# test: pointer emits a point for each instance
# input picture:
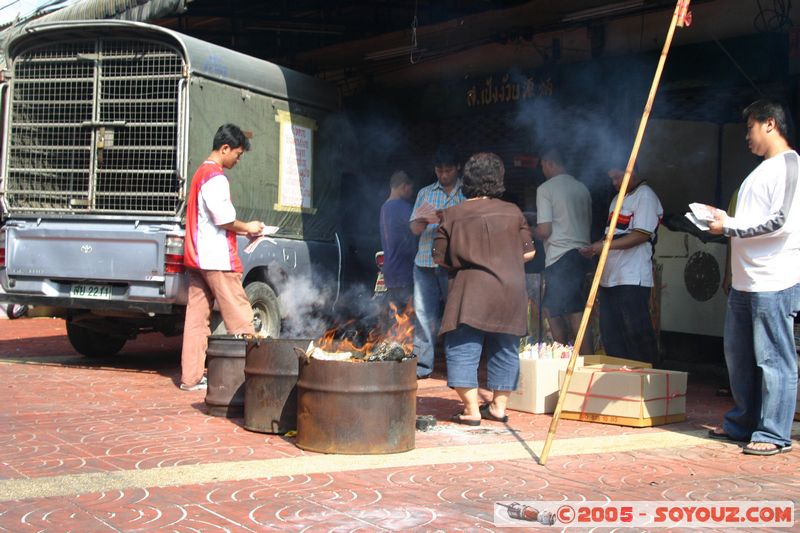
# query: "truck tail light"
(173, 258)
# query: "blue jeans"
(762, 364)
(464, 346)
(430, 291)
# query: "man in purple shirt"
(399, 244)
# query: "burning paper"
(395, 344)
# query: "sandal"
(486, 414)
(768, 451)
(722, 435)
(458, 419)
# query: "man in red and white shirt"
(625, 324)
(212, 256)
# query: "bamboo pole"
(678, 18)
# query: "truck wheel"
(266, 310)
(92, 343)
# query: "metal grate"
(94, 128)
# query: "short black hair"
(232, 135)
(446, 155)
(763, 110)
(399, 177)
(483, 176)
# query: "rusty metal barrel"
(356, 408)
(225, 359)
(270, 385)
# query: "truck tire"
(93, 343)
(266, 309)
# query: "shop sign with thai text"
(506, 89)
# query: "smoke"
(303, 304)
(583, 135)
(308, 310)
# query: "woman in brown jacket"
(483, 242)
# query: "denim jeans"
(464, 346)
(625, 325)
(762, 364)
(430, 291)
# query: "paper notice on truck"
(268, 230)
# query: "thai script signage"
(505, 89)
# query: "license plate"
(380, 286)
(90, 292)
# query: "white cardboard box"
(537, 390)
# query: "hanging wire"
(774, 19)
(414, 24)
(738, 67)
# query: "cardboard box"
(537, 391)
(609, 360)
(612, 394)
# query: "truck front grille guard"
(94, 127)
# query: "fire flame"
(401, 332)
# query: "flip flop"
(486, 414)
(465, 421)
(714, 434)
(769, 451)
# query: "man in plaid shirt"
(430, 281)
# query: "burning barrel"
(357, 407)
(270, 386)
(225, 358)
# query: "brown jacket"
(481, 243)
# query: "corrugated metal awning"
(135, 10)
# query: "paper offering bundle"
(263, 236)
(545, 350)
(700, 215)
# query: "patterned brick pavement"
(114, 445)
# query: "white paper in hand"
(702, 211)
(268, 230)
(702, 224)
(700, 215)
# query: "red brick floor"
(114, 445)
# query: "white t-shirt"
(765, 233)
(566, 203)
(214, 208)
(641, 211)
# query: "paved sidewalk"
(114, 445)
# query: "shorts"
(564, 280)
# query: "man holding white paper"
(765, 293)
(625, 324)
(430, 280)
(211, 255)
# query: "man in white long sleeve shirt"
(765, 294)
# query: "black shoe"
(486, 414)
(458, 419)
